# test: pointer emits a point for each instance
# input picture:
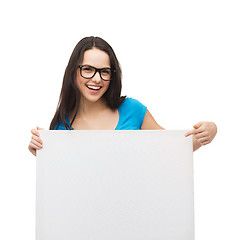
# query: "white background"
(179, 58)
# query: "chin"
(93, 99)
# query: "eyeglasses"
(87, 71)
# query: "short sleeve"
(132, 113)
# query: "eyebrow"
(94, 66)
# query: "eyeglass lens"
(89, 72)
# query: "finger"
(36, 143)
(190, 132)
(203, 141)
(193, 132)
(35, 132)
(198, 125)
(36, 138)
(200, 135)
(34, 146)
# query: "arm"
(203, 132)
(149, 123)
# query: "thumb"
(38, 128)
(198, 125)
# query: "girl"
(91, 98)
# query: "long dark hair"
(69, 100)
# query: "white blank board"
(115, 185)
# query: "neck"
(91, 109)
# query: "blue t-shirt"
(131, 115)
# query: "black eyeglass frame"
(97, 70)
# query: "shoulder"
(132, 103)
(136, 110)
(63, 125)
(132, 113)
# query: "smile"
(94, 87)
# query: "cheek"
(107, 84)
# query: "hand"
(36, 141)
(203, 132)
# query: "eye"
(87, 69)
(106, 71)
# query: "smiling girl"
(91, 98)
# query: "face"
(93, 89)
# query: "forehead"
(96, 58)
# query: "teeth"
(93, 87)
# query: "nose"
(96, 78)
